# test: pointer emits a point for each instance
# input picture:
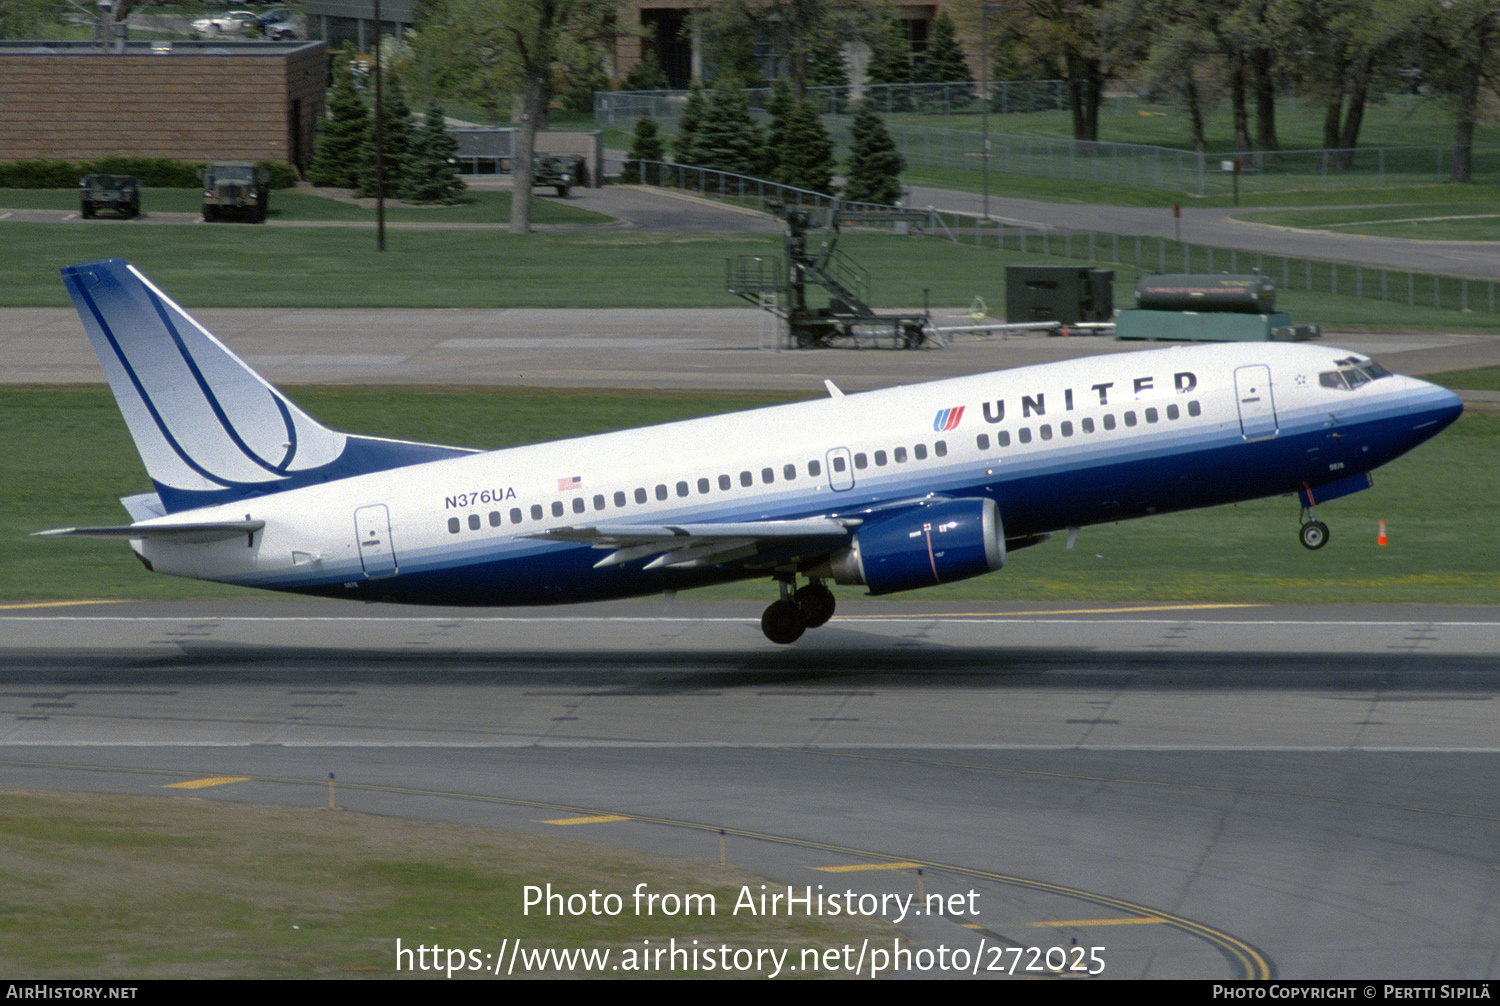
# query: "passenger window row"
(1066, 428)
(684, 489)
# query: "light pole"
(984, 98)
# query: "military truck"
(118, 194)
(561, 172)
(236, 190)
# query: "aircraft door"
(840, 469)
(372, 529)
(1252, 389)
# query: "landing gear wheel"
(1314, 534)
(783, 622)
(816, 602)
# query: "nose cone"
(1432, 408)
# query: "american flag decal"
(947, 419)
(572, 482)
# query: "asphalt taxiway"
(1210, 792)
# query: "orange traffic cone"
(1380, 538)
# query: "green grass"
(1478, 379)
(113, 887)
(246, 266)
(1467, 220)
(1402, 120)
(1438, 503)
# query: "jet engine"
(928, 545)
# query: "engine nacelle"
(922, 547)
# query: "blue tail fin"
(209, 429)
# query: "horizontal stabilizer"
(189, 533)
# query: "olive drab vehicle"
(236, 190)
(117, 194)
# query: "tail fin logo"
(201, 419)
(948, 419)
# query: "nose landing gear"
(797, 611)
(1314, 533)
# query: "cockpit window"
(1351, 373)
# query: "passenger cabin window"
(814, 469)
(920, 451)
(661, 492)
(640, 495)
(788, 472)
(578, 505)
(725, 482)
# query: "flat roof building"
(184, 101)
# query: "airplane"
(893, 489)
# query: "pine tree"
(806, 153)
(646, 146)
(432, 170)
(727, 137)
(780, 109)
(944, 65)
(826, 68)
(945, 62)
(396, 142)
(890, 64)
(336, 162)
(875, 166)
(685, 145)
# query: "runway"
(1202, 792)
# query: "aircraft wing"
(191, 532)
(702, 544)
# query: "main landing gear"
(1314, 533)
(797, 611)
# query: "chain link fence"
(1094, 162)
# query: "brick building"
(185, 101)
